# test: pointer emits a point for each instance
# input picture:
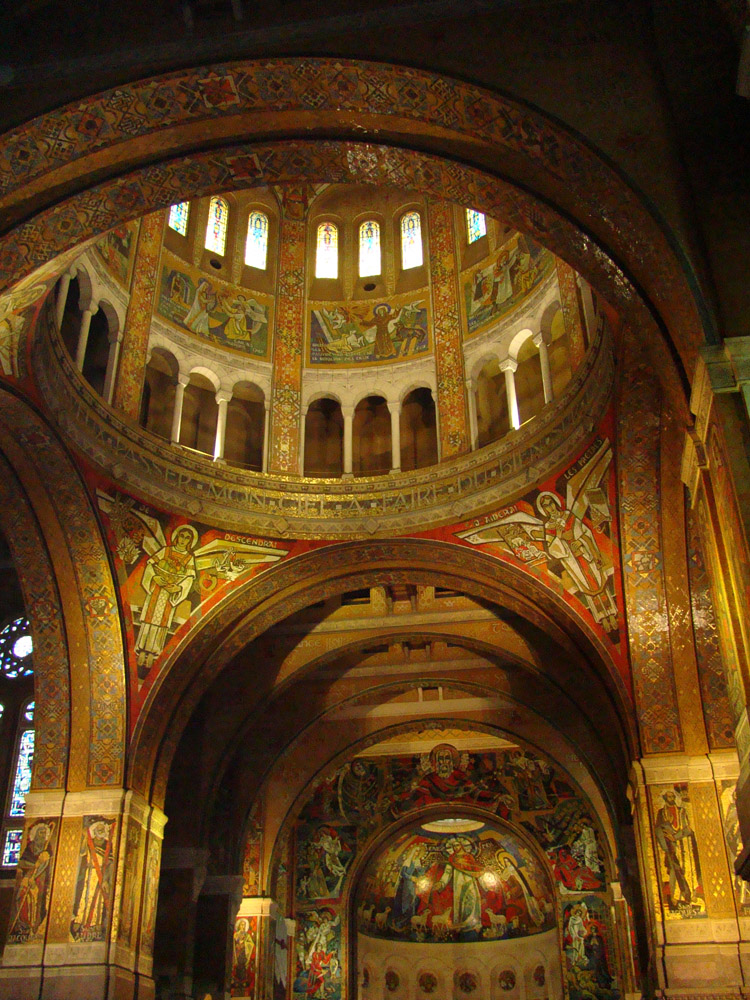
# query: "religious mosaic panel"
(347, 809)
(28, 915)
(454, 881)
(251, 874)
(589, 960)
(244, 957)
(226, 314)
(92, 901)
(498, 286)
(150, 897)
(115, 248)
(678, 865)
(564, 531)
(733, 839)
(363, 333)
(171, 571)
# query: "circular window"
(16, 648)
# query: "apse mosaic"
(361, 333)
(115, 248)
(565, 532)
(436, 884)
(170, 571)
(229, 315)
(470, 883)
(497, 287)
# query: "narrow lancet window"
(216, 230)
(256, 248)
(327, 251)
(411, 241)
(369, 248)
(178, 217)
(476, 225)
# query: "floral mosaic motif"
(497, 287)
(244, 957)
(28, 915)
(389, 331)
(167, 569)
(438, 887)
(565, 533)
(507, 979)
(587, 951)
(680, 879)
(466, 982)
(427, 982)
(225, 314)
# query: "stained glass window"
(216, 230)
(369, 248)
(178, 217)
(327, 251)
(12, 848)
(411, 241)
(16, 648)
(476, 225)
(22, 780)
(256, 248)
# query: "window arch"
(256, 246)
(369, 248)
(476, 225)
(178, 217)
(411, 241)
(20, 783)
(327, 251)
(216, 229)
(15, 649)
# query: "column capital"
(92, 309)
(183, 379)
(115, 337)
(540, 338)
(394, 406)
(508, 365)
(347, 411)
(223, 395)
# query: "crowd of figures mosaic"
(480, 882)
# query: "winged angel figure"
(560, 536)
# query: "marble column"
(266, 430)
(179, 396)
(509, 367)
(137, 330)
(541, 345)
(115, 340)
(222, 398)
(446, 325)
(395, 411)
(62, 296)
(347, 412)
(83, 334)
(471, 399)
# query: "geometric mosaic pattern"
(643, 570)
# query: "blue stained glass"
(256, 248)
(369, 248)
(15, 649)
(476, 225)
(327, 251)
(411, 241)
(22, 780)
(12, 848)
(216, 230)
(178, 217)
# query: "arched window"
(15, 649)
(476, 225)
(411, 241)
(15, 807)
(178, 217)
(327, 251)
(256, 247)
(369, 248)
(216, 230)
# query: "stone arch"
(315, 576)
(87, 610)
(569, 175)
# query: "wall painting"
(365, 333)
(226, 314)
(494, 289)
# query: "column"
(137, 330)
(302, 429)
(62, 297)
(347, 413)
(222, 398)
(433, 394)
(215, 929)
(471, 399)
(567, 283)
(288, 349)
(179, 395)
(446, 325)
(395, 411)
(115, 340)
(509, 366)
(541, 345)
(266, 430)
(83, 335)
(183, 873)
